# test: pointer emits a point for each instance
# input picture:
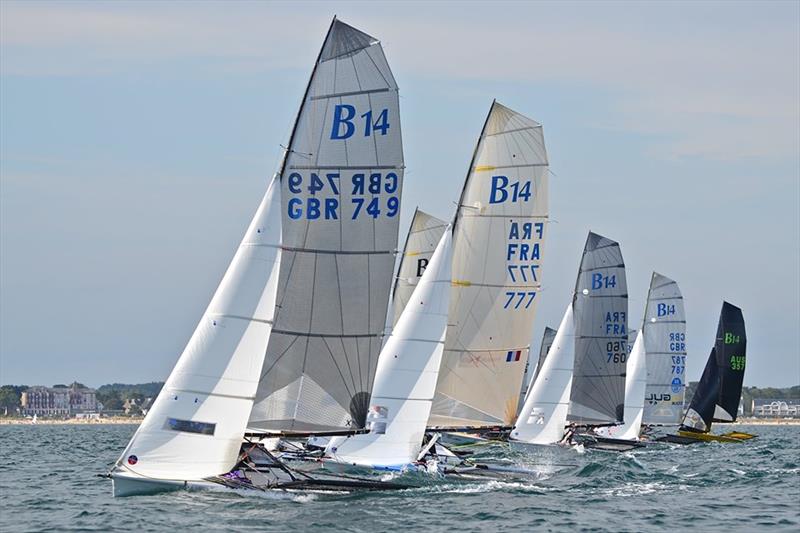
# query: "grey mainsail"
(424, 234)
(665, 345)
(601, 343)
(341, 181)
(499, 234)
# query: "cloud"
(707, 80)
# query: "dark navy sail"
(720, 389)
(731, 354)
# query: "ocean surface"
(48, 483)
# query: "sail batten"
(341, 183)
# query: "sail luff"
(548, 337)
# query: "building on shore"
(772, 408)
(58, 401)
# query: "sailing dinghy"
(290, 342)
(720, 388)
(590, 344)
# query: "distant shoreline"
(138, 420)
(71, 421)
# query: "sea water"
(48, 482)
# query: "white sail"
(635, 383)
(341, 181)
(665, 345)
(544, 414)
(424, 234)
(530, 377)
(498, 241)
(195, 427)
(406, 378)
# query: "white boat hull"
(132, 485)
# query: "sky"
(136, 140)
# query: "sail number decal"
(345, 123)
(523, 259)
(504, 190)
(372, 195)
(737, 362)
(616, 351)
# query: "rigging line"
(277, 359)
(348, 166)
(289, 151)
(378, 68)
(322, 134)
(341, 375)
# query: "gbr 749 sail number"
(316, 195)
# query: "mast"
(341, 183)
(498, 239)
(548, 337)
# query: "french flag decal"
(512, 356)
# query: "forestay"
(665, 344)
(498, 243)
(424, 234)
(406, 378)
(544, 414)
(195, 427)
(341, 180)
(601, 327)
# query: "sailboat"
(290, 341)
(589, 348)
(498, 240)
(662, 341)
(720, 388)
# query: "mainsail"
(601, 328)
(527, 381)
(720, 389)
(544, 414)
(665, 344)
(406, 378)
(341, 180)
(424, 234)
(498, 241)
(195, 427)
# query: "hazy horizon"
(136, 140)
